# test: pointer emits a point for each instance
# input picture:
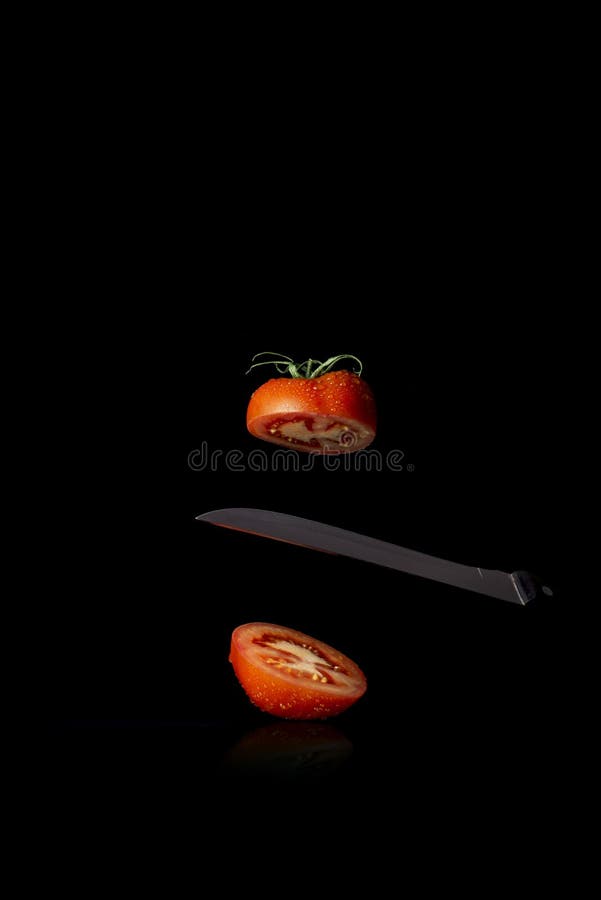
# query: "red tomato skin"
(276, 696)
(339, 395)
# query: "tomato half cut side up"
(292, 675)
(330, 413)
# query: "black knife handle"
(530, 587)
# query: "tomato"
(291, 675)
(326, 413)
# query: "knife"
(515, 587)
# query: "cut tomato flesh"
(318, 433)
(292, 675)
(300, 660)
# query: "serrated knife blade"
(515, 587)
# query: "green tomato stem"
(286, 366)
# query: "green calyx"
(310, 368)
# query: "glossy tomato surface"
(334, 413)
(292, 675)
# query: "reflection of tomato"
(330, 413)
(291, 675)
(290, 750)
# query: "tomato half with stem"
(315, 410)
(292, 675)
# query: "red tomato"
(291, 675)
(334, 413)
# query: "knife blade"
(515, 587)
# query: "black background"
(457, 682)
(428, 244)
